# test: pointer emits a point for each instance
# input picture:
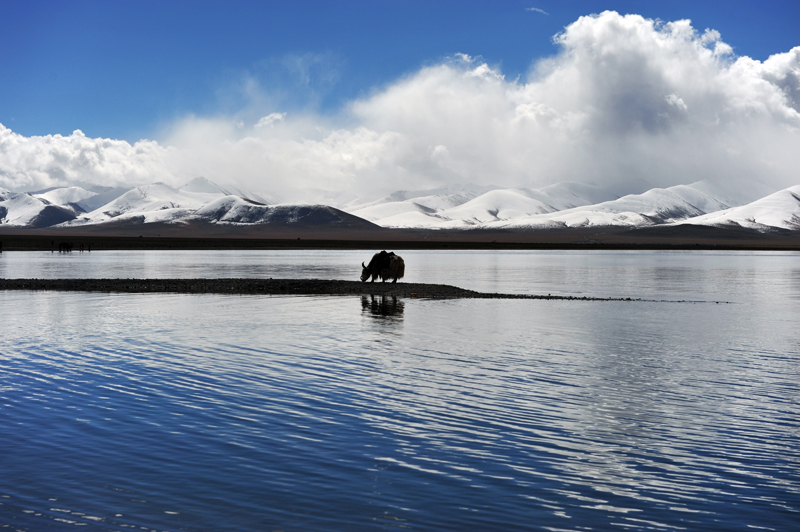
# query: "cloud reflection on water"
(457, 414)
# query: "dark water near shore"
(203, 412)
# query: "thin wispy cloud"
(537, 10)
(626, 100)
(269, 120)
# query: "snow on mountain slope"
(559, 205)
(376, 213)
(568, 195)
(779, 210)
(149, 203)
(733, 194)
(656, 206)
(437, 202)
(471, 206)
(703, 201)
(400, 214)
(203, 185)
(437, 198)
(206, 202)
(577, 217)
(497, 205)
(236, 210)
(22, 209)
(232, 209)
(66, 196)
(18, 208)
(659, 204)
(434, 211)
(416, 218)
(103, 196)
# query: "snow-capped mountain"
(656, 206)
(148, 204)
(447, 196)
(473, 206)
(80, 199)
(66, 196)
(780, 210)
(567, 195)
(559, 206)
(198, 201)
(203, 185)
(23, 209)
(240, 211)
(103, 195)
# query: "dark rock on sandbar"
(268, 287)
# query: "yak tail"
(395, 271)
(397, 268)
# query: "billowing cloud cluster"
(31, 163)
(625, 100)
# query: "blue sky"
(313, 100)
(126, 69)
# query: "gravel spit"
(270, 287)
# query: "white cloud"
(537, 10)
(677, 101)
(28, 163)
(269, 120)
(626, 99)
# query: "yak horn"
(362, 265)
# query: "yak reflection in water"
(382, 306)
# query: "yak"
(384, 265)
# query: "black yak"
(384, 265)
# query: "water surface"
(210, 412)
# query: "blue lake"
(175, 412)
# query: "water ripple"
(171, 412)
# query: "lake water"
(176, 412)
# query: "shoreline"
(320, 287)
(164, 237)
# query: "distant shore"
(140, 238)
(272, 287)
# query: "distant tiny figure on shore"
(384, 265)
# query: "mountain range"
(559, 206)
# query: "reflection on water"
(383, 306)
(209, 412)
(709, 276)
